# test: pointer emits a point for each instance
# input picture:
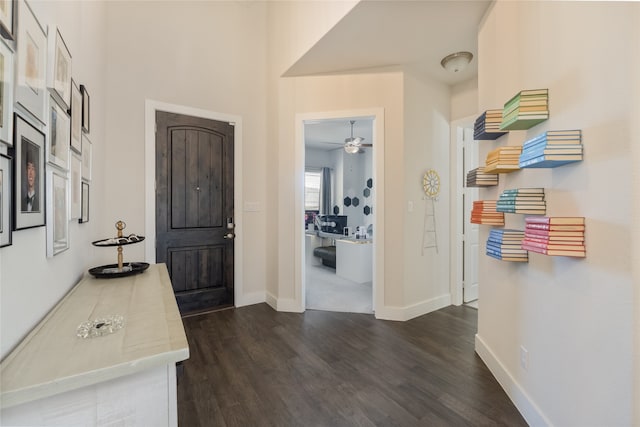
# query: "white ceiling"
(330, 134)
(382, 33)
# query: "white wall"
(426, 146)
(205, 55)
(31, 284)
(464, 99)
(574, 316)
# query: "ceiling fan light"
(351, 149)
(456, 61)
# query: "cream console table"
(128, 377)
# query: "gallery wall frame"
(76, 118)
(7, 19)
(6, 198)
(57, 212)
(59, 137)
(6, 92)
(86, 116)
(76, 187)
(87, 160)
(59, 75)
(84, 216)
(29, 175)
(31, 63)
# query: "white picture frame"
(6, 196)
(57, 212)
(6, 19)
(31, 66)
(76, 118)
(59, 74)
(29, 143)
(59, 137)
(6, 93)
(76, 187)
(86, 158)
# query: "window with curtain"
(312, 183)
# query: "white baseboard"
(523, 402)
(283, 304)
(406, 313)
(251, 298)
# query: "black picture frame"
(84, 216)
(86, 112)
(76, 118)
(6, 199)
(29, 148)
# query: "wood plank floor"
(253, 366)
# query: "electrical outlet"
(524, 358)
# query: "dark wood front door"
(194, 209)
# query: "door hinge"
(155, 127)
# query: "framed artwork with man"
(29, 144)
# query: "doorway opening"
(374, 117)
(339, 217)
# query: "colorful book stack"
(552, 148)
(484, 212)
(479, 178)
(556, 236)
(506, 245)
(525, 109)
(487, 126)
(522, 201)
(503, 159)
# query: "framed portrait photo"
(76, 118)
(85, 108)
(57, 212)
(86, 158)
(31, 63)
(60, 69)
(6, 176)
(76, 186)
(84, 216)
(6, 93)
(6, 19)
(58, 143)
(29, 144)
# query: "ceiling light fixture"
(456, 61)
(352, 145)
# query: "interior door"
(194, 209)
(471, 232)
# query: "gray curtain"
(325, 192)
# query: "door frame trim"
(378, 202)
(151, 106)
(455, 153)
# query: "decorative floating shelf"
(522, 201)
(487, 126)
(551, 149)
(555, 236)
(479, 178)
(506, 245)
(484, 212)
(503, 159)
(525, 110)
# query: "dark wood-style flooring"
(253, 366)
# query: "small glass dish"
(100, 326)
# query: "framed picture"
(58, 143)
(76, 118)
(85, 108)
(6, 19)
(60, 69)
(57, 212)
(86, 158)
(6, 93)
(76, 186)
(6, 175)
(84, 216)
(32, 61)
(29, 187)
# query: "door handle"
(229, 236)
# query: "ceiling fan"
(353, 144)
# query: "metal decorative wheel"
(431, 183)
